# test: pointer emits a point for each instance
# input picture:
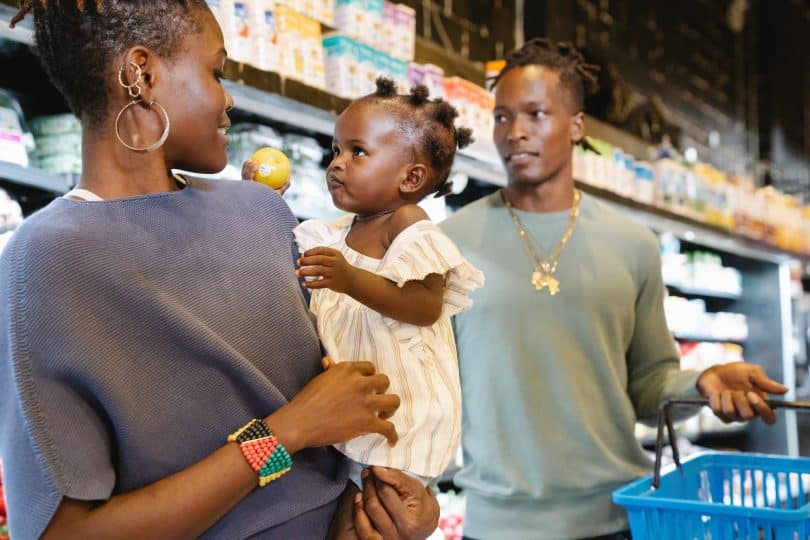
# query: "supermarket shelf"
(286, 101)
(32, 177)
(705, 337)
(280, 108)
(703, 293)
(692, 230)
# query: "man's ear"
(577, 127)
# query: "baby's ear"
(415, 179)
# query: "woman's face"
(190, 90)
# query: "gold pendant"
(542, 280)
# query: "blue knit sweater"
(137, 333)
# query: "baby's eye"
(335, 150)
(538, 113)
(359, 151)
(500, 118)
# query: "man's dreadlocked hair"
(576, 75)
(78, 39)
(430, 122)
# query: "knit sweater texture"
(138, 333)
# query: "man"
(567, 344)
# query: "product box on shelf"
(428, 74)
(312, 52)
(240, 27)
(351, 17)
(434, 80)
(389, 40)
(320, 10)
(58, 143)
(405, 32)
(301, 47)
(266, 50)
(343, 76)
(474, 105)
(366, 57)
(398, 70)
(375, 24)
(353, 67)
(12, 139)
(416, 74)
(399, 22)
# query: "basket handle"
(665, 418)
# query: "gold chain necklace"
(543, 273)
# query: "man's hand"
(737, 391)
(394, 506)
(328, 268)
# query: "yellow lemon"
(274, 167)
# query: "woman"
(147, 318)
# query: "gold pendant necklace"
(543, 272)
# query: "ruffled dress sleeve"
(423, 249)
(315, 232)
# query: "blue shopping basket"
(720, 495)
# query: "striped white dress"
(420, 361)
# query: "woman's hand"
(249, 169)
(393, 506)
(345, 401)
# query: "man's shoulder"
(468, 214)
(617, 227)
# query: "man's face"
(536, 124)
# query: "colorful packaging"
(311, 52)
(291, 50)
(374, 32)
(416, 74)
(350, 16)
(405, 32)
(12, 143)
(343, 77)
(368, 68)
(390, 37)
(267, 52)
(434, 80)
(398, 69)
(241, 46)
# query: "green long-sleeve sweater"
(553, 385)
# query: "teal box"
(339, 45)
(375, 7)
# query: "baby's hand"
(328, 269)
(249, 169)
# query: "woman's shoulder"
(48, 227)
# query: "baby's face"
(370, 160)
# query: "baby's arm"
(417, 302)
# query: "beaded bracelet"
(263, 452)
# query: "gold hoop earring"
(133, 89)
(155, 145)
